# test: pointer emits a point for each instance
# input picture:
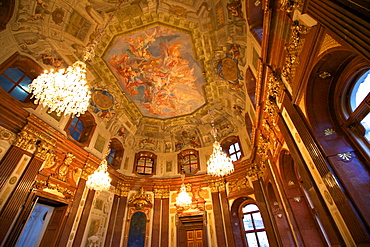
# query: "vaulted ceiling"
(160, 67)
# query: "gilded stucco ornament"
(140, 200)
(31, 139)
(291, 5)
(122, 189)
(88, 170)
(239, 184)
(293, 49)
(161, 191)
(54, 188)
(217, 185)
(256, 171)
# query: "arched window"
(81, 128)
(253, 227)
(115, 155)
(232, 147)
(188, 161)
(16, 73)
(145, 163)
(359, 111)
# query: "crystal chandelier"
(100, 179)
(67, 90)
(63, 90)
(183, 198)
(219, 164)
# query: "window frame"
(231, 140)
(118, 152)
(147, 155)
(27, 66)
(242, 229)
(182, 155)
(348, 120)
(89, 123)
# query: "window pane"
(231, 149)
(25, 82)
(233, 157)
(14, 73)
(262, 239)
(140, 169)
(76, 135)
(258, 223)
(141, 162)
(360, 90)
(185, 160)
(186, 169)
(251, 239)
(250, 208)
(5, 83)
(366, 123)
(247, 222)
(80, 125)
(148, 170)
(237, 148)
(239, 154)
(19, 94)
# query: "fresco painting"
(158, 72)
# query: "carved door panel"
(194, 238)
(52, 230)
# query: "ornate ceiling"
(159, 68)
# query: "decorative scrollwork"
(292, 49)
(140, 200)
(290, 5)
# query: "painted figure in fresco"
(155, 74)
(235, 8)
(51, 60)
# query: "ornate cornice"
(161, 191)
(217, 185)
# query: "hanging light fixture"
(183, 198)
(219, 164)
(67, 90)
(63, 90)
(100, 179)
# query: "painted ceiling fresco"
(158, 72)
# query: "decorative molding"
(140, 200)
(290, 5)
(325, 74)
(329, 132)
(293, 49)
(238, 184)
(216, 185)
(88, 170)
(161, 191)
(7, 135)
(256, 171)
(328, 43)
(54, 187)
(30, 138)
(122, 189)
(345, 156)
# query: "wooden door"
(52, 230)
(194, 238)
